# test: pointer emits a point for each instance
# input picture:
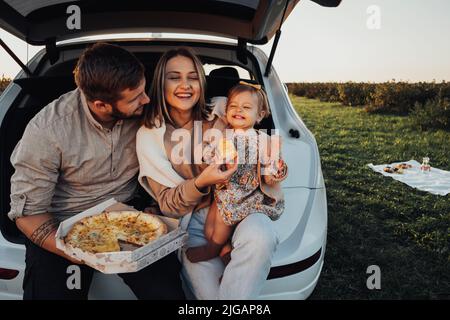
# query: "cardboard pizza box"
(130, 259)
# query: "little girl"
(255, 186)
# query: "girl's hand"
(214, 175)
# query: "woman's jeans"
(254, 242)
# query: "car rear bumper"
(294, 268)
(304, 281)
(12, 257)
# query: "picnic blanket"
(436, 181)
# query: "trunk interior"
(52, 81)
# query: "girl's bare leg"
(219, 236)
(225, 253)
(211, 220)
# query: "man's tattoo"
(40, 234)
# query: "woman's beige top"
(184, 198)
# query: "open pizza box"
(130, 259)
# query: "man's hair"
(105, 70)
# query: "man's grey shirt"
(67, 162)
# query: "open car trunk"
(41, 22)
(52, 80)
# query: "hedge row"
(428, 103)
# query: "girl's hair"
(263, 103)
(157, 111)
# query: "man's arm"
(38, 228)
(41, 230)
(36, 161)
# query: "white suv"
(302, 227)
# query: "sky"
(361, 40)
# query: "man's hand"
(41, 230)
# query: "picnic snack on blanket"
(398, 168)
(103, 232)
(403, 166)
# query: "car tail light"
(8, 274)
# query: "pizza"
(105, 232)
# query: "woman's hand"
(213, 175)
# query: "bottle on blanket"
(425, 167)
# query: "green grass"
(375, 220)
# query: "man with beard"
(77, 152)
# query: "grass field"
(375, 220)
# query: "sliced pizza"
(103, 232)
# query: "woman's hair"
(157, 111)
(104, 70)
(263, 103)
